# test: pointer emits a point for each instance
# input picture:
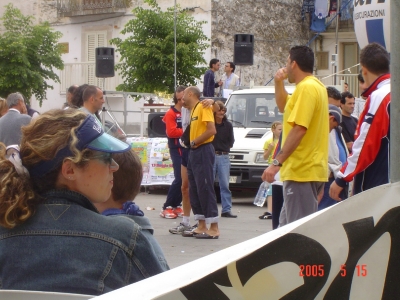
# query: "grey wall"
(275, 24)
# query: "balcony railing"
(73, 8)
(81, 73)
(344, 25)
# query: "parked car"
(251, 112)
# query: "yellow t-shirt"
(266, 145)
(308, 107)
(198, 125)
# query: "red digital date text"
(311, 271)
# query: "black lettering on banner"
(291, 247)
(361, 2)
(302, 250)
(362, 235)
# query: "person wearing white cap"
(337, 155)
(52, 238)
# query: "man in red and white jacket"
(369, 162)
(173, 124)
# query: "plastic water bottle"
(261, 196)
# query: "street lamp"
(175, 45)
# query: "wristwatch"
(275, 162)
(192, 143)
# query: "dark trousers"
(327, 201)
(201, 183)
(277, 203)
(174, 196)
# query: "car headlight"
(260, 159)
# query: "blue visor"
(90, 135)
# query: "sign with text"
(348, 251)
(155, 158)
(372, 22)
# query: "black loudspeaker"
(105, 62)
(155, 125)
(243, 49)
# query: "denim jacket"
(67, 246)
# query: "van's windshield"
(252, 110)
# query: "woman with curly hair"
(52, 238)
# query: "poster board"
(155, 158)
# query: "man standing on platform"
(231, 80)
(209, 84)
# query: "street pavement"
(179, 250)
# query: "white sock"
(186, 221)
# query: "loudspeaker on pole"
(104, 62)
(243, 49)
(155, 125)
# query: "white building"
(87, 24)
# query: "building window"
(94, 40)
(322, 60)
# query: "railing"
(80, 73)
(71, 8)
(350, 79)
(344, 25)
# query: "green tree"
(147, 54)
(28, 55)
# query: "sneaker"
(178, 211)
(168, 213)
(189, 233)
(265, 216)
(180, 228)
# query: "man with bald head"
(93, 101)
(200, 166)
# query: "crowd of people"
(68, 187)
(324, 148)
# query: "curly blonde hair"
(41, 140)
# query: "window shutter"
(322, 60)
(94, 40)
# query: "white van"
(251, 112)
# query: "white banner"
(348, 251)
(372, 22)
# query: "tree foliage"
(28, 55)
(147, 54)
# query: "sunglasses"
(104, 157)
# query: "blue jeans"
(222, 167)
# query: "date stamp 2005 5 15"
(318, 270)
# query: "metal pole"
(175, 46)
(395, 91)
(337, 40)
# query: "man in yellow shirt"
(303, 158)
(200, 167)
